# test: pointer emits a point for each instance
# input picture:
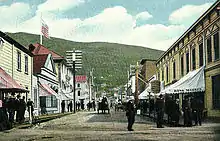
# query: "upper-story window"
(78, 85)
(182, 65)
(78, 93)
(193, 58)
(19, 61)
(216, 45)
(187, 62)
(174, 70)
(209, 49)
(162, 74)
(26, 64)
(201, 54)
(167, 74)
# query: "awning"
(145, 93)
(45, 90)
(194, 81)
(8, 84)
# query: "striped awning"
(45, 90)
(7, 83)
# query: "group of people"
(14, 109)
(191, 110)
(78, 106)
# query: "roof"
(144, 60)
(80, 78)
(15, 43)
(40, 49)
(215, 5)
(8, 84)
(39, 61)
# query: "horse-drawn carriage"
(103, 105)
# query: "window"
(78, 93)
(182, 65)
(216, 45)
(201, 54)
(26, 64)
(162, 71)
(78, 85)
(193, 59)
(53, 101)
(35, 97)
(187, 62)
(174, 70)
(167, 77)
(48, 101)
(216, 90)
(209, 50)
(19, 61)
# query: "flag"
(45, 30)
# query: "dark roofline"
(15, 43)
(144, 60)
(189, 29)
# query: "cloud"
(188, 14)
(59, 5)
(113, 24)
(14, 14)
(143, 16)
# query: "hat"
(160, 95)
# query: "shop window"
(193, 59)
(26, 64)
(216, 45)
(19, 61)
(53, 101)
(187, 62)
(215, 91)
(201, 54)
(209, 50)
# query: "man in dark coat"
(187, 112)
(63, 106)
(22, 109)
(159, 105)
(30, 105)
(130, 113)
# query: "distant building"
(82, 89)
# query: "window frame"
(18, 61)
(26, 64)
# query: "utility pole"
(136, 88)
(74, 83)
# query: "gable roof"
(15, 43)
(39, 61)
(40, 49)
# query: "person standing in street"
(63, 106)
(22, 109)
(160, 110)
(130, 113)
(30, 105)
(187, 112)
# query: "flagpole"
(41, 36)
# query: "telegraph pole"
(136, 88)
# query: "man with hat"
(160, 110)
(130, 113)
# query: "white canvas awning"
(192, 82)
(145, 93)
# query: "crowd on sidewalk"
(167, 109)
(13, 111)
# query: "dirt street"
(109, 127)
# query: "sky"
(155, 24)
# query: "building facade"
(197, 47)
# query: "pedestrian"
(11, 108)
(93, 105)
(187, 112)
(159, 105)
(199, 109)
(70, 105)
(63, 106)
(130, 113)
(30, 107)
(176, 113)
(17, 108)
(22, 109)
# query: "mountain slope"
(109, 60)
